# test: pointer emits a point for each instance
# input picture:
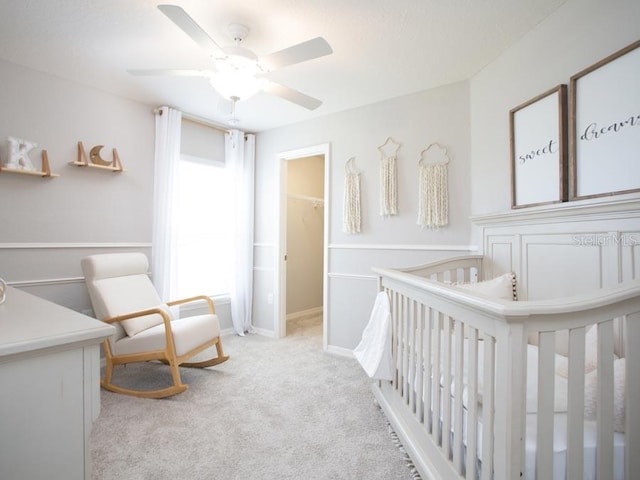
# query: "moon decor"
(96, 159)
(94, 156)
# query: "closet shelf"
(316, 201)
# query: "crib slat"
(436, 430)
(575, 400)
(458, 355)
(427, 394)
(446, 387)
(632, 393)
(395, 322)
(420, 362)
(402, 327)
(472, 403)
(546, 387)
(604, 409)
(412, 356)
(405, 348)
(488, 406)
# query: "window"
(204, 228)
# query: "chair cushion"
(188, 333)
(133, 326)
(122, 295)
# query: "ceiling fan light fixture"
(231, 84)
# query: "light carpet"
(278, 409)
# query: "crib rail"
(459, 399)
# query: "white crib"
(465, 400)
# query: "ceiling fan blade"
(189, 26)
(292, 95)
(317, 47)
(171, 73)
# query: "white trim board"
(414, 247)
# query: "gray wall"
(415, 121)
(47, 225)
(577, 35)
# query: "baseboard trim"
(264, 332)
(311, 312)
(341, 351)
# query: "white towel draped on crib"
(374, 350)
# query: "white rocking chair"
(122, 294)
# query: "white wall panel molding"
(627, 206)
(418, 247)
(27, 245)
(263, 269)
(46, 282)
(567, 249)
(52, 269)
(352, 276)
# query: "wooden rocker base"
(177, 387)
(206, 363)
(161, 393)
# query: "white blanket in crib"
(374, 350)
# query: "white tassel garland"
(433, 193)
(388, 177)
(351, 212)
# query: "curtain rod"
(201, 121)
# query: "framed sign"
(539, 149)
(605, 126)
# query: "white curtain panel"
(240, 158)
(165, 182)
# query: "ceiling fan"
(238, 73)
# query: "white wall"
(439, 115)
(577, 35)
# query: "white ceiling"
(382, 48)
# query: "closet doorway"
(301, 273)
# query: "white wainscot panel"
(263, 289)
(501, 249)
(351, 301)
(559, 265)
(630, 255)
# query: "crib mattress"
(560, 428)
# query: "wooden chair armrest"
(141, 313)
(197, 298)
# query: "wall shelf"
(44, 173)
(96, 161)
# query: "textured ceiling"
(382, 48)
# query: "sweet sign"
(538, 153)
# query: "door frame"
(280, 280)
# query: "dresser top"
(29, 323)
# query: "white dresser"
(49, 388)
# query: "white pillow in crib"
(503, 287)
(619, 387)
(590, 354)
